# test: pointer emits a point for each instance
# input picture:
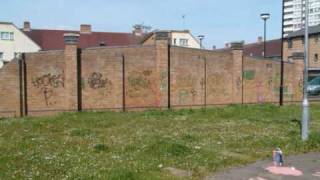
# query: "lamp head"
(265, 16)
(201, 37)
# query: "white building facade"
(13, 41)
(294, 14)
(182, 38)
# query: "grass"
(138, 145)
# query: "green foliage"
(138, 145)
(80, 132)
(168, 147)
(101, 147)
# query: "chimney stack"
(85, 29)
(260, 40)
(26, 26)
(138, 30)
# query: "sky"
(221, 21)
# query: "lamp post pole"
(282, 60)
(265, 17)
(305, 103)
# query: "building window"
(289, 43)
(316, 58)
(102, 44)
(316, 39)
(1, 55)
(183, 42)
(6, 36)
(174, 41)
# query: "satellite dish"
(1, 64)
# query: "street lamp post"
(305, 103)
(201, 37)
(265, 17)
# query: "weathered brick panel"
(261, 81)
(293, 81)
(198, 77)
(45, 82)
(141, 78)
(9, 90)
(219, 78)
(187, 77)
(101, 79)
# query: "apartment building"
(294, 14)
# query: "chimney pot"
(71, 38)
(238, 45)
(85, 29)
(26, 26)
(138, 30)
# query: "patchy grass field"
(140, 145)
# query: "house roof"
(5, 22)
(54, 40)
(273, 48)
(312, 30)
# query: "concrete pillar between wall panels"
(298, 59)
(71, 83)
(163, 69)
(237, 57)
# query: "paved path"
(308, 165)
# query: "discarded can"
(277, 157)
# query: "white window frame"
(8, 36)
(184, 42)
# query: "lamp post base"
(305, 120)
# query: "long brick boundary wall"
(141, 77)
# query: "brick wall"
(142, 77)
(45, 73)
(9, 90)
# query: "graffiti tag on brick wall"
(239, 83)
(260, 94)
(96, 81)
(187, 81)
(138, 83)
(269, 67)
(164, 81)
(215, 86)
(249, 74)
(47, 83)
(183, 96)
